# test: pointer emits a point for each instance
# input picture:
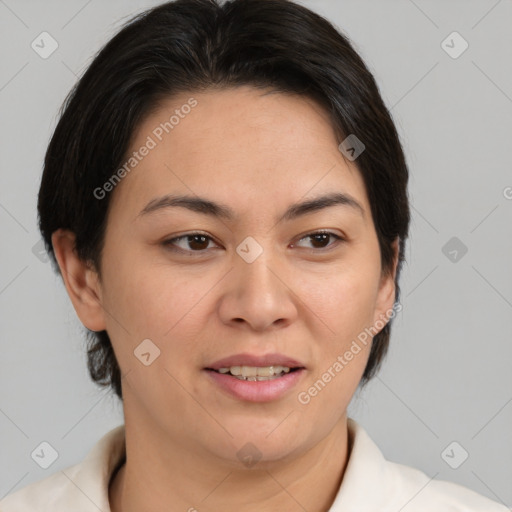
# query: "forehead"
(239, 146)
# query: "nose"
(259, 295)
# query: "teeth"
(254, 373)
(257, 378)
(249, 371)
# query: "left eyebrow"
(207, 207)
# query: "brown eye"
(320, 239)
(192, 242)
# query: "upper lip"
(254, 360)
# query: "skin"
(257, 153)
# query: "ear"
(386, 293)
(81, 281)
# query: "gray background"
(447, 377)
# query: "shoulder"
(83, 486)
(371, 482)
(417, 492)
(41, 495)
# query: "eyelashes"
(201, 242)
(321, 236)
(189, 237)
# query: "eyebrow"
(207, 207)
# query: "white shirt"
(370, 484)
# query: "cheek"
(157, 302)
(345, 304)
(342, 302)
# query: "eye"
(199, 242)
(191, 242)
(322, 238)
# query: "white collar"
(370, 483)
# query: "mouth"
(256, 378)
(256, 373)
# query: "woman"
(225, 198)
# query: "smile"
(256, 388)
(255, 373)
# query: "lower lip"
(256, 391)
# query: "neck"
(173, 480)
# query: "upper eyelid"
(336, 236)
(168, 241)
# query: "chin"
(270, 441)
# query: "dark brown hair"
(197, 45)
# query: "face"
(250, 282)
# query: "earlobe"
(80, 280)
